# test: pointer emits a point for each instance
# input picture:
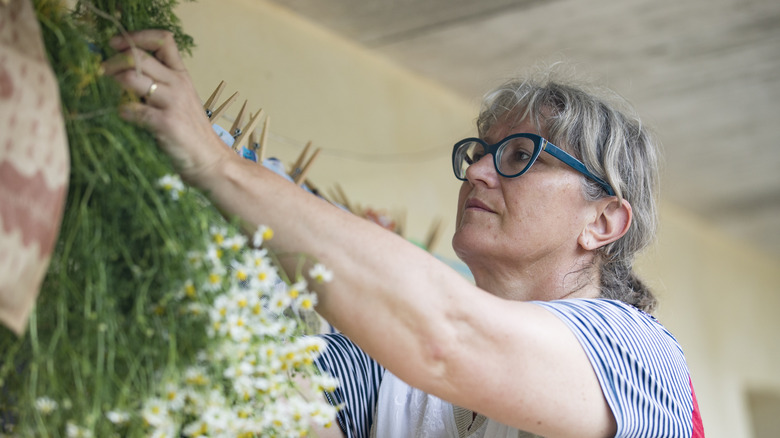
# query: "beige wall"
(386, 137)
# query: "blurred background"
(385, 87)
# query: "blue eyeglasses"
(514, 155)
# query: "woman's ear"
(613, 217)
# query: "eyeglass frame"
(540, 144)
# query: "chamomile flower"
(195, 259)
(196, 376)
(240, 369)
(244, 387)
(215, 278)
(155, 412)
(305, 302)
(314, 344)
(218, 419)
(235, 243)
(174, 397)
(73, 430)
(323, 415)
(172, 184)
(262, 234)
(320, 273)
(218, 234)
(264, 277)
(213, 254)
(189, 289)
(296, 289)
(243, 300)
(324, 382)
(45, 405)
(197, 428)
(166, 429)
(279, 302)
(196, 309)
(237, 327)
(118, 417)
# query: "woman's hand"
(149, 64)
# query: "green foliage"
(105, 310)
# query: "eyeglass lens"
(513, 156)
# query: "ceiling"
(704, 73)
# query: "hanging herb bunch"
(157, 317)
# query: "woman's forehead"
(511, 122)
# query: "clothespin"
(244, 135)
(260, 150)
(400, 222)
(299, 170)
(222, 108)
(254, 144)
(339, 197)
(296, 167)
(235, 129)
(212, 100)
(301, 177)
(433, 235)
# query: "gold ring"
(152, 89)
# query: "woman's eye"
(520, 155)
(473, 158)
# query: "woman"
(546, 235)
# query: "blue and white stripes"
(639, 364)
(359, 377)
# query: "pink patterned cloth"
(34, 162)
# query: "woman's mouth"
(476, 204)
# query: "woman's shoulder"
(600, 308)
(611, 328)
(640, 365)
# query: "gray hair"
(602, 130)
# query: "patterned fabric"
(359, 377)
(639, 364)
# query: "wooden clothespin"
(260, 150)
(400, 222)
(254, 143)
(235, 129)
(245, 134)
(296, 167)
(301, 177)
(212, 100)
(222, 108)
(339, 197)
(433, 235)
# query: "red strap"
(698, 426)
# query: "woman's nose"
(483, 170)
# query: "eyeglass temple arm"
(575, 164)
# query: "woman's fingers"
(142, 85)
(158, 42)
(137, 59)
(170, 107)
